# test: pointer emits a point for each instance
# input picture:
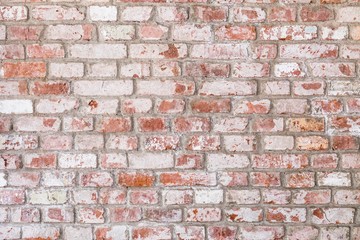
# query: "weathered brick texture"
(180, 119)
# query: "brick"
(251, 70)
(102, 69)
(278, 143)
(56, 142)
(232, 124)
(223, 88)
(311, 88)
(67, 160)
(162, 143)
(18, 142)
(350, 160)
(13, 13)
(305, 124)
(122, 142)
(223, 161)
(58, 179)
(110, 232)
(125, 214)
(90, 215)
(9, 88)
(244, 214)
(5, 124)
(300, 180)
(153, 32)
(308, 51)
(240, 143)
(136, 179)
(25, 215)
(268, 125)
(295, 32)
(335, 232)
(274, 196)
(89, 142)
(210, 106)
(332, 215)
(333, 69)
(229, 32)
(53, 13)
(163, 215)
(23, 70)
(312, 197)
(191, 32)
(210, 13)
(97, 51)
(312, 143)
(203, 215)
(12, 51)
(58, 214)
(166, 69)
(48, 51)
(81, 196)
(253, 232)
(316, 14)
(243, 196)
(25, 33)
(286, 215)
(327, 106)
(36, 124)
(282, 14)
(177, 197)
(324, 161)
(219, 51)
(24, 179)
(355, 32)
(293, 70)
(148, 233)
(144, 197)
(10, 161)
(103, 88)
(69, 32)
(66, 70)
(16, 106)
(189, 161)
(248, 14)
(187, 179)
(265, 179)
(251, 107)
(293, 106)
(203, 143)
(12, 196)
(170, 106)
(56, 105)
(136, 13)
(113, 124)
(47, 197)
(103, 13)
(77, 232)
(165, 88)
(76, 124)
(274, 88)
(224, 232)
(172, 13)
(35, 231)
(334, 179)
(334, 32)
(138, 105)
(118, 32)
(263, 51)
(206, 69)
(39, 88)
(348, 14)
(232, 179)
(344, 143)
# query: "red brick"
(235, 33)
(187, 179)
(136, 179)
(211, 106)
(25, 33)
(282, 14)
(210, 13)
(24, 70)
(152, 124)
(316, 14)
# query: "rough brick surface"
(180, 119)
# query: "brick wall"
(179, 119)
